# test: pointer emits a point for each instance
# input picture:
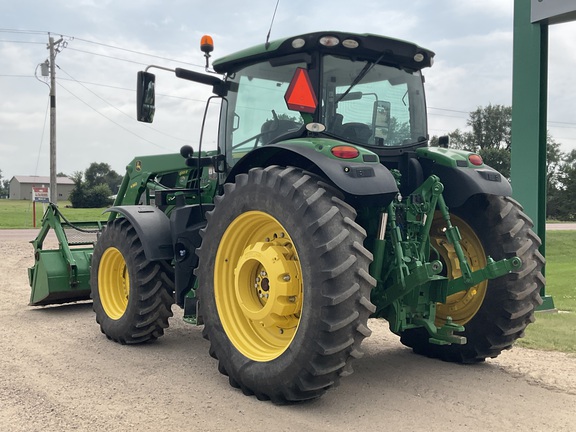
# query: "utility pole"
(53, 47)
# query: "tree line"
(491, 137)
(94, 187)
(4, 186)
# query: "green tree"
(91, 188)
(4, 186)
(491, 127)
(554, 190)
(562, 193)
(100, 173)
(490, 137)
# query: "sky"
(106, 42)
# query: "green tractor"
(324, 205)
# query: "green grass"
(18, 214)
(551, 331)
(557, 331)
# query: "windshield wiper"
(367, 68)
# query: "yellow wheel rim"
(258, 286)
(463, 305)
(113, 283)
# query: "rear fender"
(152, 227)
(361, 177)
(460, 178)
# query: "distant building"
(21, 186)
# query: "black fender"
(354, 178)
(152, 227)
(460, 183)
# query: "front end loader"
(323, 205)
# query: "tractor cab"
(365, 90)
(361, 89)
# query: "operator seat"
(358, 132)
(273, 129)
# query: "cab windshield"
(358, 101)
(372, 104)
(256, 111)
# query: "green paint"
(445, 156)
(529, 112)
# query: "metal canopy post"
(529, 106)
(529, 93)
(529, 110)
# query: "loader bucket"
(62, 275)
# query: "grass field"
(18, 214)
(551, 331)
(557, 331)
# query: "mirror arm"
(158, 67)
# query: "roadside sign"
(41, 194)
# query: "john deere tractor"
(323, 205)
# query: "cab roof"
(371, 47)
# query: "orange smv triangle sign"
(300, 94)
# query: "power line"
(119, 110)
(38, 32)
(551, 123)
(108, 56)
(128, 89)
(138, 52)
(19, 31)
(16, 76)
(109, 119)
(23, 42)
(450, 110)
(446, 115)
(42, 136)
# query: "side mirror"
(443, 141)
(349, 96)
(381, 121)
(145, 97)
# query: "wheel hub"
(461, 306)
(270, 300)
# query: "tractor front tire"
(284, 286)
(132, 297)
(496, 312)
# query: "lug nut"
(286, 278)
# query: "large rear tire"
(284, 286)
(132, 296)
(495, 313)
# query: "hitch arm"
(493, 270)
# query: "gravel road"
(59, 373)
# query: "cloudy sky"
(106, 42)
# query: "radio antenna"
(267, 44)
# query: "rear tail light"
(345, 152)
